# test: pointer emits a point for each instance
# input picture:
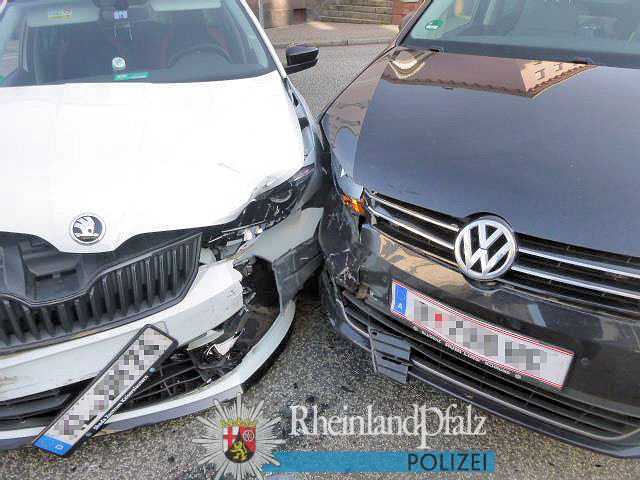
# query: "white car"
(158, 168)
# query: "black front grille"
(595, 280)
(176, 376)
(129, 291)
(599, 280)
(431, 357)
(422, 229)
(40, 404)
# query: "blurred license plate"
(509, 352)
(108, 392)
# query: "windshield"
(50, 42)
(603, 32)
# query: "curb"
(337, 43)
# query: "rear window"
(50, 42)
(605, 32)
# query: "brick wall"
(278, 13)
(403, 7)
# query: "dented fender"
(339, 238)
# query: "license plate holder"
(110, 389)
(391, 355)
(509, 352)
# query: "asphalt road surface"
(317, 368)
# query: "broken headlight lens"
(263, 212)
(275, 205)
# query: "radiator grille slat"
(45, 315)
(162, 277)
(33, 329)
(95, 305)
(174, 270)
(81, 312)
(108, 296)
(4, 338)
(149, 280)
(13, 320)
(63, 315)
(121, 275)
(187, 254)
(126, 292)
(136, 287)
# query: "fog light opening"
(246, 328)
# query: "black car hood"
(550, 147)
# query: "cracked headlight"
(263, 212)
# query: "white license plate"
(111, 388)
(507, 351)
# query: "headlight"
(263, 212)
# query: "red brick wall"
(278, 13)
(401, 8)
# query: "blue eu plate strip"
(419, 462)
(400, 299)
(53, 445)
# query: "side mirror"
(407, 18)
(301, 57)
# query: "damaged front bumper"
(361, 263)
(231, 322)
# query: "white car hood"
(142, 157)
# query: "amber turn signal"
(356, 205)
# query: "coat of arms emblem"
(239, 440)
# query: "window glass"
(48, 42)
(598, 31)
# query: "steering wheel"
(212, 47)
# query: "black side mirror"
(301, 57)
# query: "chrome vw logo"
(485, 248)
(87, 229)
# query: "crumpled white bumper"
(215, 295)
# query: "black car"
(482, 234)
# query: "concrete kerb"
(337, 43)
